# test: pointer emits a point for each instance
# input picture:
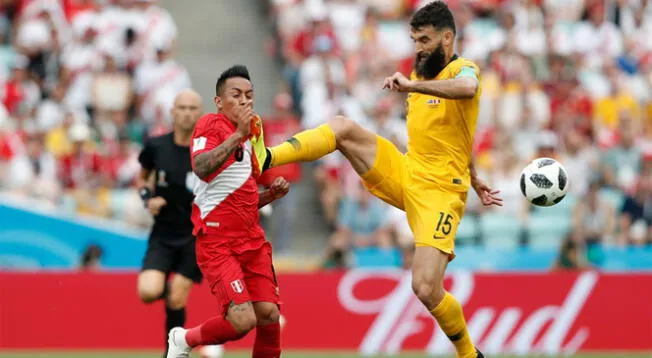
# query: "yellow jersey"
(441, 132)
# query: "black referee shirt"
(173, 174)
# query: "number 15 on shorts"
(444, 225)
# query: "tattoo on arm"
(209, 162)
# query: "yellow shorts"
(433, 212)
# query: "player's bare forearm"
(265, 197)
(456, 88)
(209, 162)
(473, 172)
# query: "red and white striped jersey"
(226, 202)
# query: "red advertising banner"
(369, 311)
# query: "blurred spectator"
(157, 82)
(622, 163)
(400, 230)
(594, 219)
(322, 78)
(597, 39)
(79, 60)
(388, 125)
(21, 94)
(635, 218)
(360, 223)
(570, 257)
(506, 172)
(92, 258)
(66, 73)
(51, 112)
(34, 172)
(158, 25)
(547, 145)
(111, 88)
(278, 127)
(81, 168)
(121, 166)
(581, 161)
(618, 103)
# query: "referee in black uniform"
(165, 185)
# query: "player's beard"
(433, 63)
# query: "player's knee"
(242, 321)
(269, 315)
(343, 127)
(177, 299)
(149, 294)
(429, 293)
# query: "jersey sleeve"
(467, 71)
(205, 137)
(146, 157)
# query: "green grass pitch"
(246, 355)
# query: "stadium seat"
(547, 230)
(467, 231)
(500, 230)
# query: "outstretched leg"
(340, 133)
(428, 268)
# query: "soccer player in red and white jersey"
(232, 252)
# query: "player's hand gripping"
(243, 117)
(155, 205)
(487, 195)
(279, 188)
(398, 83)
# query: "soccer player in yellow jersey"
(430, 182)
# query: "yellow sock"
(448, 314)
(306, 146)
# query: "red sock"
(268, 341)
(216, 330)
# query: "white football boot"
(177, 345)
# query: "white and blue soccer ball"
(544, 182)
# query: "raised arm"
(464, 86)
(210, 149)
(456, 88)
(204, 164)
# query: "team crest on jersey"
(433, 102)
(237, 286)
(161, 179)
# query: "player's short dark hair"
(436, 14)
(231, 72)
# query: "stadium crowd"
(571, 80)
(84, 82)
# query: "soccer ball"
(544, 182)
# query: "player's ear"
(218, 102)
(449, 37)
